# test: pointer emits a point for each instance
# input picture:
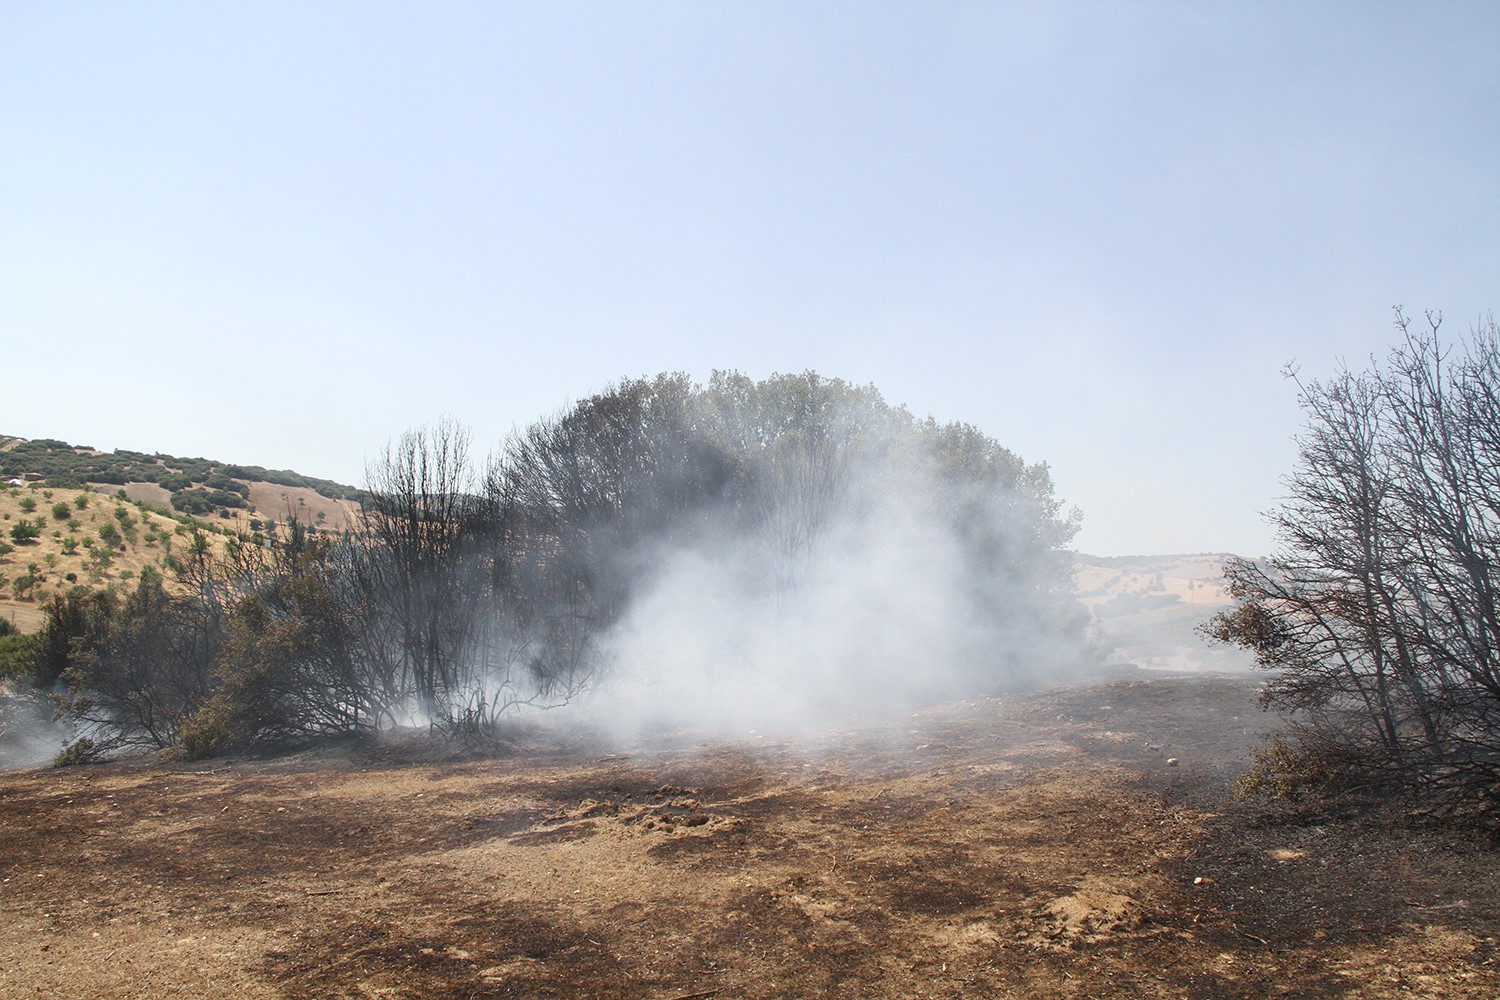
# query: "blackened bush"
(1378, 612)
(141, 666)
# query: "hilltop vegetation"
(207, 484)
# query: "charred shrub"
(1378, 613)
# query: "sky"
(281, 234)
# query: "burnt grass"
(1074, 843)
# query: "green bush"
(227, 498)
(1281, 771)
(81, 751)
(61, 511)
(18, 652)
(28, 504)
(222, 482)
(192, 502)
(216, 728)
(24, 531)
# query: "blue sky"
(281, 234)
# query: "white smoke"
(885, 612)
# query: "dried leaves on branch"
(1378, 612)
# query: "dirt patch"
(281, 503)
(1037, 846)
(151, 493)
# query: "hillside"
(62, 464)
(1145, 610)
(71, 515)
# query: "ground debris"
(1016, 855)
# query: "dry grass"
(50, 552)
(54, 562)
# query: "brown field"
(1070, 843)
(52, 559)
(281, 503)
(1145, 609)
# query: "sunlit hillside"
(1146, 609)
(75, 516)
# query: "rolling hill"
(72, 515)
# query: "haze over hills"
(1144, 609)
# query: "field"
(1070, 843)
(68, 549)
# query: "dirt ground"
(1073, 843)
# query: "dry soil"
(1072, 843)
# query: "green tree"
(24, 584)
(18, 653)
(291, 667)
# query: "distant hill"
(60, 464)
(71, 515)
(1146, 609)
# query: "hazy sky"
(281, 234)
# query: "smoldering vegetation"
(768, 553)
